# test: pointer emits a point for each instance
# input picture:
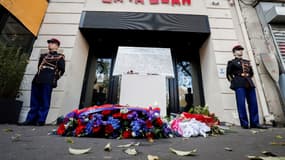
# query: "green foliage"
(204, 110)
(12, 68)
(215, 130)
(200, 110)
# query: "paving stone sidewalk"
(36, 143)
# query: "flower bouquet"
(115, 121)
(198, 121)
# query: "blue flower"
(89, 127)
(114, 122)
(137, 127)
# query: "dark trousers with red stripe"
(40, 103)
(247, 95)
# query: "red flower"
(127, 134)
(109, 129)
(96, 129)
(79, 129)
(117, 115)
(148, 124)
(149, 135)
(124, 116)
(61, 129)
(106, 112)
(90, 117)
(159, 122)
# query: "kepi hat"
(54, 40)
(237, 47)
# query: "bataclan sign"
(152, 2)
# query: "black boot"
(27, 123)
(259, 126)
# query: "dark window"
(13, 33)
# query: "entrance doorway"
(186, 89)
(183, 34)
(101, 87)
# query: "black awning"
(144, 29)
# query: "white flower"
(124, 110)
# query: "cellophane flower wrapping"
(192, 125)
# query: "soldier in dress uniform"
(240, 73)
(51, 67)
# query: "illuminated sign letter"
(186, 1)
(174, 2)
(107, 1)
(140, 1)
(153, 1)
(164, 1)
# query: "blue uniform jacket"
(51, 67)
(239, 75)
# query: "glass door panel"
(185, 95)
(102, 81)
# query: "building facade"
(264, 23)
(199, 33)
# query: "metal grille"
(279, 36)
